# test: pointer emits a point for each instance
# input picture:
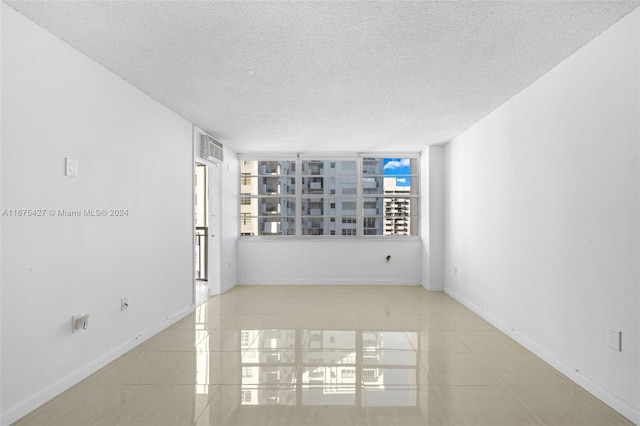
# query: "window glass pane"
(327, 206)
(341, 185)
(328, 216)
(372, 166)
(313, 167)
(399, 185)
(270, 167)
(276, 206)
(398, 219)
(389, 216)
(313, 185)
(372, 206)
(316, 226)
(346, 185)
(268, 185)
(373, 225)
(276, 226)
(373, 185)
(397, 226)
(384, 175)
(389, 166)
(315, 206)
(329, 177)
(325, 167)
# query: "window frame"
(360, 196)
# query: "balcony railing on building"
(201, 253)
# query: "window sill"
(329, 239)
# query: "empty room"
(320, 213)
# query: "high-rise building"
(397, 207)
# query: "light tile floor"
(327, 355)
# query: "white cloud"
(395, 164)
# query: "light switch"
(70, 167)
(615, 339)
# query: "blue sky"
(398, 167)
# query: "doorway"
(206, 228)
(201, 221)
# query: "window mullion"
(359, 197)
(298, 197)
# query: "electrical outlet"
(124, 304)
(79, 322)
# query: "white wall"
(329, 262)
(432, 217)
(230, 194)
(542, 216)
(133, 154)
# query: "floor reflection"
(314, 356)
(328, 367)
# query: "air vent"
(211, 150)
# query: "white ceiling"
(328, 76)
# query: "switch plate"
(70, 167)
(615, 339)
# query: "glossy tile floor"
(327, 356)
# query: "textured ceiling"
(328, 76)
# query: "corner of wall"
(432, 217)
(230, 219)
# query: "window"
(390, 196)
(339, 196)
(268, 200)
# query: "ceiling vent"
(211, 149)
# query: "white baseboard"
(325, 282)
(49, 392)
(621, 406)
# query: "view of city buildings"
(346, 197)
